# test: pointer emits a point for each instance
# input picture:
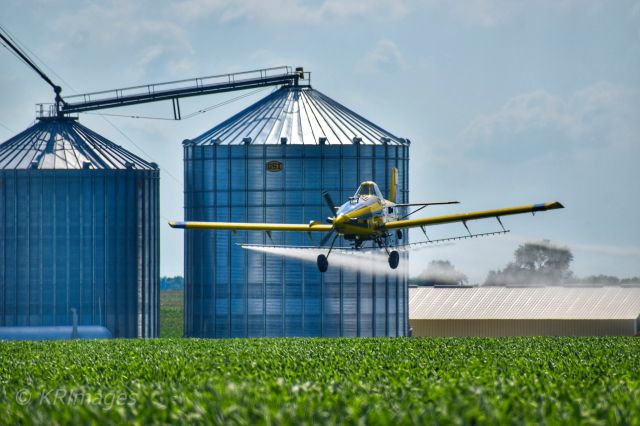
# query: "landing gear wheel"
(399, 234)
(394, 259)
(323, 263)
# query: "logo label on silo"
(274, 166)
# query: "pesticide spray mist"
(370, 260)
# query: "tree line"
(534, 264)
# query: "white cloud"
(270, 58)
(532, 109)
(115, 20)
(145, 31)
(483, 13)
(609, 250)
(181, 67)
(289, 11)
(151, 53)
(490, 13)
(385, 56)
(602, 249)
(600, 111)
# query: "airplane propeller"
(332, 207)
(325, 239)
(329, 201)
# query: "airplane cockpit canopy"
(368, 189)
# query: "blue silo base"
(54, 333)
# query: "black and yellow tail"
(393, 185)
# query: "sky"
(506, 102)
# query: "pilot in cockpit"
(368, 189)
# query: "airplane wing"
(463, 217)
(233, 226)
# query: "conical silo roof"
(61, 143)
(297, 115)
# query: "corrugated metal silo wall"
(232, 292)
(83, 239)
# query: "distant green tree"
(535, 263)
(172, 283)
(607, 280)
(600, 280)
(439, 272)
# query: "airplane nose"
(341, 218)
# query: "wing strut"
(424, 231)
(415, 211)
(422, 206)
(464, 222)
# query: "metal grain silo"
(79, 231)
(270, 163)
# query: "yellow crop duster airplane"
(368, 216)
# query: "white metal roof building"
(524, 311)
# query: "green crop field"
(328, 381)
(171, 313)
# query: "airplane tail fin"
(393, 185)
